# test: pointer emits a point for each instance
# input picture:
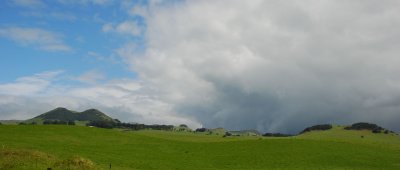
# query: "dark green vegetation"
(276, 135)
(317, 127)
(368, 126)
(24, 147)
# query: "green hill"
(63, 114)
(363, 136)
(68, 147)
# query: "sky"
(269, 65)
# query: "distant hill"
(356, 126)
(63, 114)
(10, 122)
(317, 127)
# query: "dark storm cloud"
(275, 65)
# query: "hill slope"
(331, 149)
(365, 137)
(63, 114)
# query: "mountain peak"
(63, 114)
(91, 110)
(60, 108)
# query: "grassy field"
(79, 147)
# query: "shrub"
(101, 124)
(201, 129)
(54, 122)
(183, 126)
(363, 126)
(276, 135)
(47, 122)
(71, 122)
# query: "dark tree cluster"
(24, 123)
(227, 134)
(159, 127)
(366, 126)
(58, 122)
(136, 126)
(317, 127)
(132, 126)
(201, 130)
(102, 124)
(183, 126)
(276, 135)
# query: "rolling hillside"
(63, 114)
(74, 146)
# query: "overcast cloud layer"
(276, 66)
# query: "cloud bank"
(125, 99)
(276, 66)
(39, 38)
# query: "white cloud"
(110, 59)
(274, 65)
(91, 77)
(138, 11)
(108, 27)
(130, 100)
(129, 27)
(30, 85)
(39, 38)
(126, 27)
(125, 99)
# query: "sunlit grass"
(335, 149)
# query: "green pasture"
(80, 147)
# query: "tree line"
(132, 126)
